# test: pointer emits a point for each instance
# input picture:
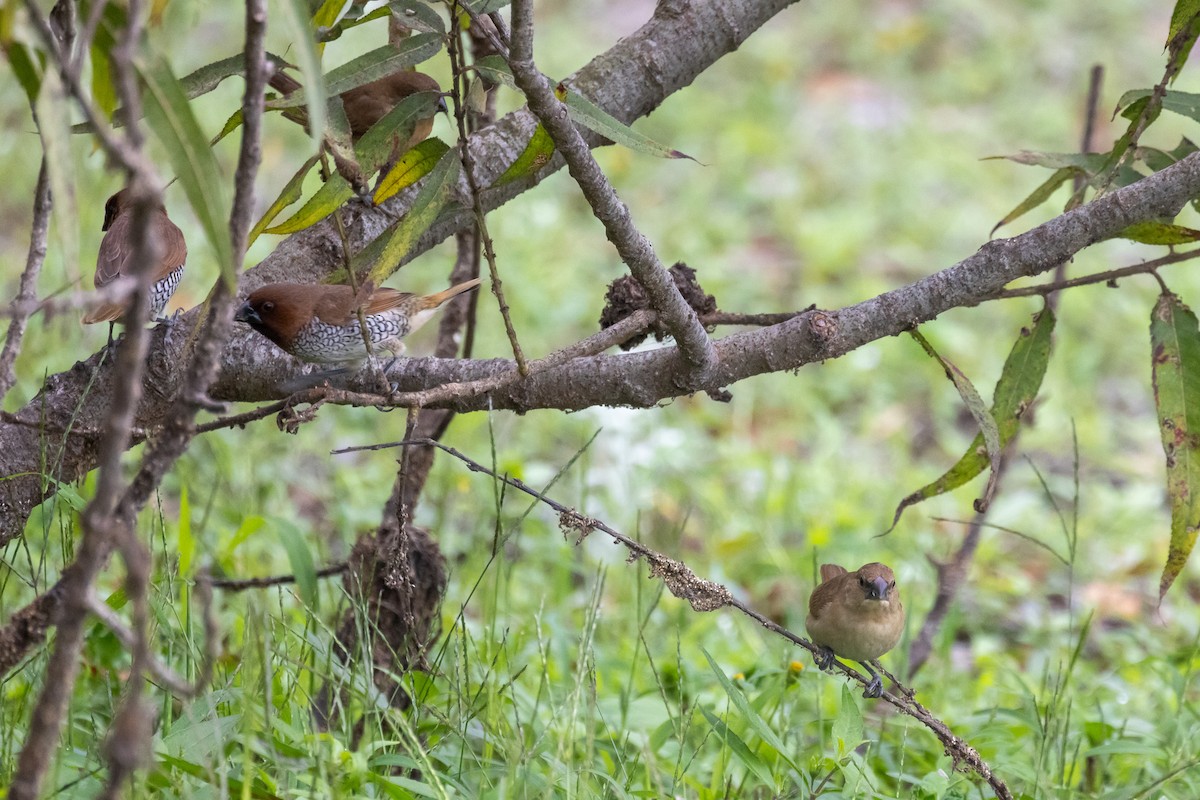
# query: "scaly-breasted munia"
(367, 104)
(855, 615)
(116, 248)
(320, 323)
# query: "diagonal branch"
(635, 249)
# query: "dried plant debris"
(625, 296)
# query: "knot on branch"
(290, 418)
(626, 296)
(823, 326)
(686, 585)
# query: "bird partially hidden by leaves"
(367, 104)
(855, 615)
(319, 323)
(115, 258)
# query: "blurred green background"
(841, 154)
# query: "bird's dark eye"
(268, 306)
(863, 582)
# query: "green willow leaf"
(295, 15)
(410, 168)
(376, 145)
(330, 197)
(292, 192)
(496, 70)
(988, 428)
(300, 559)
(534, 157)
(171, 118)
(1175, 364)
(1016, 390)
(104, 91)
(419, 16)
(430, 199)
(1038, 196)
(1160, 233)
(29, 73)
(591, 116)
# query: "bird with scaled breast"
(116, 250)
(319, 323)
(855, 615)
(367, 104)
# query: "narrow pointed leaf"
(769, 737)
(209, 77)
(290, 194)
(1183, 13)
(1016, 390)
(739, 748)
(430, 199)
(1038, 196)
(307, 59)
(419, 16)
(332, 194)
(29, 74)
(301, 560)
(1162, 233)
(104, 92)
(591, 116)
(412, 166)
(1175, 355)
(988, 428)
(532, 158)
(171, 118)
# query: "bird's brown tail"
(435, 300)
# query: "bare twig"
(242, 584)
(695, 347)
(27, 289)
(1100, 277)
(705, 595)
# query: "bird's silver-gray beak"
(248, 315)
(878, 589)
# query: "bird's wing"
(174, 247)
(114, 252)
(385, 299)
(823, 596)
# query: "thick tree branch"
(629, 81)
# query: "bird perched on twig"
(855, 615)
(367, 104)
(116, 249)
(320, 323)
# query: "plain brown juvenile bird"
(116, 248)
(320, 323)
(856, 615)
(367, 104)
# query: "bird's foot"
(824, 659)
(875, 685)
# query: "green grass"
(841, 154)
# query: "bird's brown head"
(876, 581)
(279, 310)
(114, 206)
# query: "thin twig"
(1099, 277)
(242, 584)
(696, 348)
(705, 595)
(27, 289)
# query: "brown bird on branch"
(320, 323)
(367, 104)
(855, 615)
(116, 249)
